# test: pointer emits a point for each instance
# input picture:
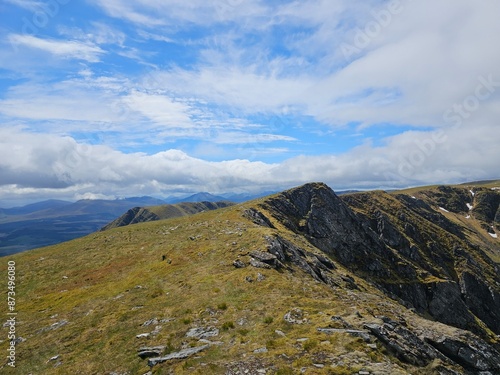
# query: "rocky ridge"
(378, 236)
(144, 214)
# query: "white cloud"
(61, 48)
(409, 73)
(73, 100)
(159, 109)
(52, 164)
(231, 137)
(97, 33)
(235, 86)
(176, 12)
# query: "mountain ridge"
(138, 215)
(354, 239)
(303, 281)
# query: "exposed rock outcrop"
(147, 351)
(487, 206)
(182, 354)
(202, 332)
(402, 244)
(257, 217)
(456, 348)
(404, 343)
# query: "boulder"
(264, 257)
(258, 264)
(182, 354)
(239, 264)
(202, 332)
(150, 351)
(258, 218)
(295, 316)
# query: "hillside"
(166, 211)
(298, 282)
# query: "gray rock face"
(407, 346)
(487, 205)
(258, 218)
(316, 265)
(383, 243)
(470, 352)
(483, 301)
(462, 347)
(447, 306)
(203, 332)
(316, 212)
(182, 354)
(150, 351)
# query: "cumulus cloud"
(407, 73)
(51, 164)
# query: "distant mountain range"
(199, 197)
(53, 221)
(165, 211)
(208, 197)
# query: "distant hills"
(53, 221)
(166, 211)
(302, 281)
(34, 207)
(208, 197)
(199, 197)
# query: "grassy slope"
(106, 285)
(475, 232)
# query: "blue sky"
(114, 98)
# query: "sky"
(120, 98)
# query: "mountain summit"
(303, 281)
